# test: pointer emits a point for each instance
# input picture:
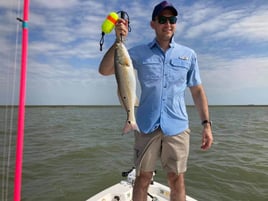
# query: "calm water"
(71, 153)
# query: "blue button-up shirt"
(163, 78)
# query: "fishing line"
(9, 110)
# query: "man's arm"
(106, 66)
(201, 104)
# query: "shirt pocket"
(178, 70)
(151, 69)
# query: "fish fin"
(130, 126)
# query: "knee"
(175, 181)
(144, 179)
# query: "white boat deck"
(123, 192)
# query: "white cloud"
(11, 4)
(55, 4)
(64, 48)
(240, 72)
(199, 12)
(71, 86)
(213, 24)
(235, 81)
(37, 20)
(253, 27)
(218, 23)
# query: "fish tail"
(130, 126)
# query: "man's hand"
(207, 138)
(121, 29)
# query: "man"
(165, 69)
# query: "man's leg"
(141, 185)
(174, 156)
(177, 187)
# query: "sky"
(230, 38)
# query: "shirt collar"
(155, 43)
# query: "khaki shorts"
(172, 150)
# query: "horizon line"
(118, 105)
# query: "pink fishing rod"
(21, 109)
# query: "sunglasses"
(163, 19)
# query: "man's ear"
(152, 24)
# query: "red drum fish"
(126, 81)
